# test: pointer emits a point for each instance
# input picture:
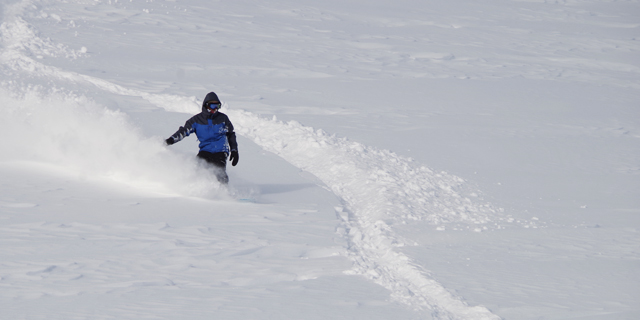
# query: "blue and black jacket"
(214, 130)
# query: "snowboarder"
(216, 136)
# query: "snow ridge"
(379, 188)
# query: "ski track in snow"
(378, 188)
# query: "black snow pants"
(219, 162)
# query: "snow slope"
(344, 111)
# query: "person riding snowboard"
(216, 136)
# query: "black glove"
(169, 141)
(234, 157)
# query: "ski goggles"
(214, 105)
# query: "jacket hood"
(211, 96)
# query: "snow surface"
(403, 160)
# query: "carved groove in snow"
(378, 188)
